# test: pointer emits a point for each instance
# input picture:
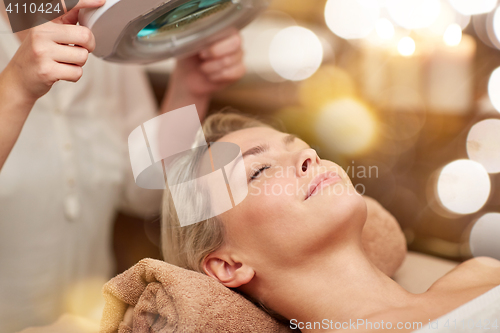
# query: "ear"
(229, 272)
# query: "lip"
(321, 181)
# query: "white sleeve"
(139, 105)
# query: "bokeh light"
(346, 126)
(462, 20)
(351, 19)
(453, 35)
(481, 28)
(85, 299)
(300, 121)
(493, 28)
(295, 53)
(483, 144)
(494, 88)
(406, 46)
(463, 186)
(473, 7)
(414, 14)
(483, 239)
(327, 84)
(261, 64)
(385, 28)
(257, 38)
(446, 17)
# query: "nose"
(307, 158)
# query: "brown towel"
(383, 239)
(172, 299)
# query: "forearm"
(14, 110)
(178, 96)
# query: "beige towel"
(171, 299)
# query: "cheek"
(270, 201)
(275, 197)
(269, 214)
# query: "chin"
(347, 210)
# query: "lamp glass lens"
(184, 14)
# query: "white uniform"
(62, 184)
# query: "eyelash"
(259, 171)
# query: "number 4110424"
(33, 8)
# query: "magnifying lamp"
(145, 31)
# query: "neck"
(339, 286)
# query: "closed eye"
(259, 171)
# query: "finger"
(75, 34)
(71, 17)
(68, 54)
(66, 34)
(221, 48)
(229, 74)
(213, 66)
(88, 4)
(68, 72)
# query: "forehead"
(249, 137)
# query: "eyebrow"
(288, 139)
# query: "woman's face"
(297, 204)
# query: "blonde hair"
(188, 246)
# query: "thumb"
(74, 6)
